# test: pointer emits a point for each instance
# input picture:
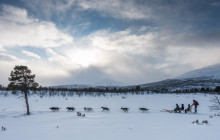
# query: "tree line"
(135, 90)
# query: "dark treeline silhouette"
(200, 90)
(2, 87)
(98, 91)
(90, 90)
(122, 90)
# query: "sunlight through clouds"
(84, 57)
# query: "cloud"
(123, 55)
(211, 39)
(124, 41)
(51, 52)
(117, 8)
(46, 72)
(175, 14)
(215, 4)
(138, 54)
(190, 40)
(20, 30)
(7, 62)
(7, 57)
(31, 54)
(57, 58)
(49, 7)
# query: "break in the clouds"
(18, 29)
(85, 41)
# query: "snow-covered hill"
(211, 72)
(208, 77)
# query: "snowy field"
(113, 125)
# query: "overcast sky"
(131, 41)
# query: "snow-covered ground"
(113, 125)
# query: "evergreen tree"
(22, 80)
(217, 89)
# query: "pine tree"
(22, 80)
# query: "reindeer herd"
(89, 109)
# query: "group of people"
(188, 109)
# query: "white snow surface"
(114, 125)
(211, 71)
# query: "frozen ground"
(113, 125)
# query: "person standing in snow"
(195, 103)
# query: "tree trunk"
(26, 101)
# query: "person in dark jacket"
(182, 107)
(189, 109)
(195, 103)
(177, 108)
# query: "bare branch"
(217, 100)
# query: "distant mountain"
(208, 77)
(76, 86)
(109, 83)
(100, 83)
(211, 72)
(181, 84)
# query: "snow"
(210, 71)
(113, 125)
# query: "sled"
(172, 111)
(166, 110)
